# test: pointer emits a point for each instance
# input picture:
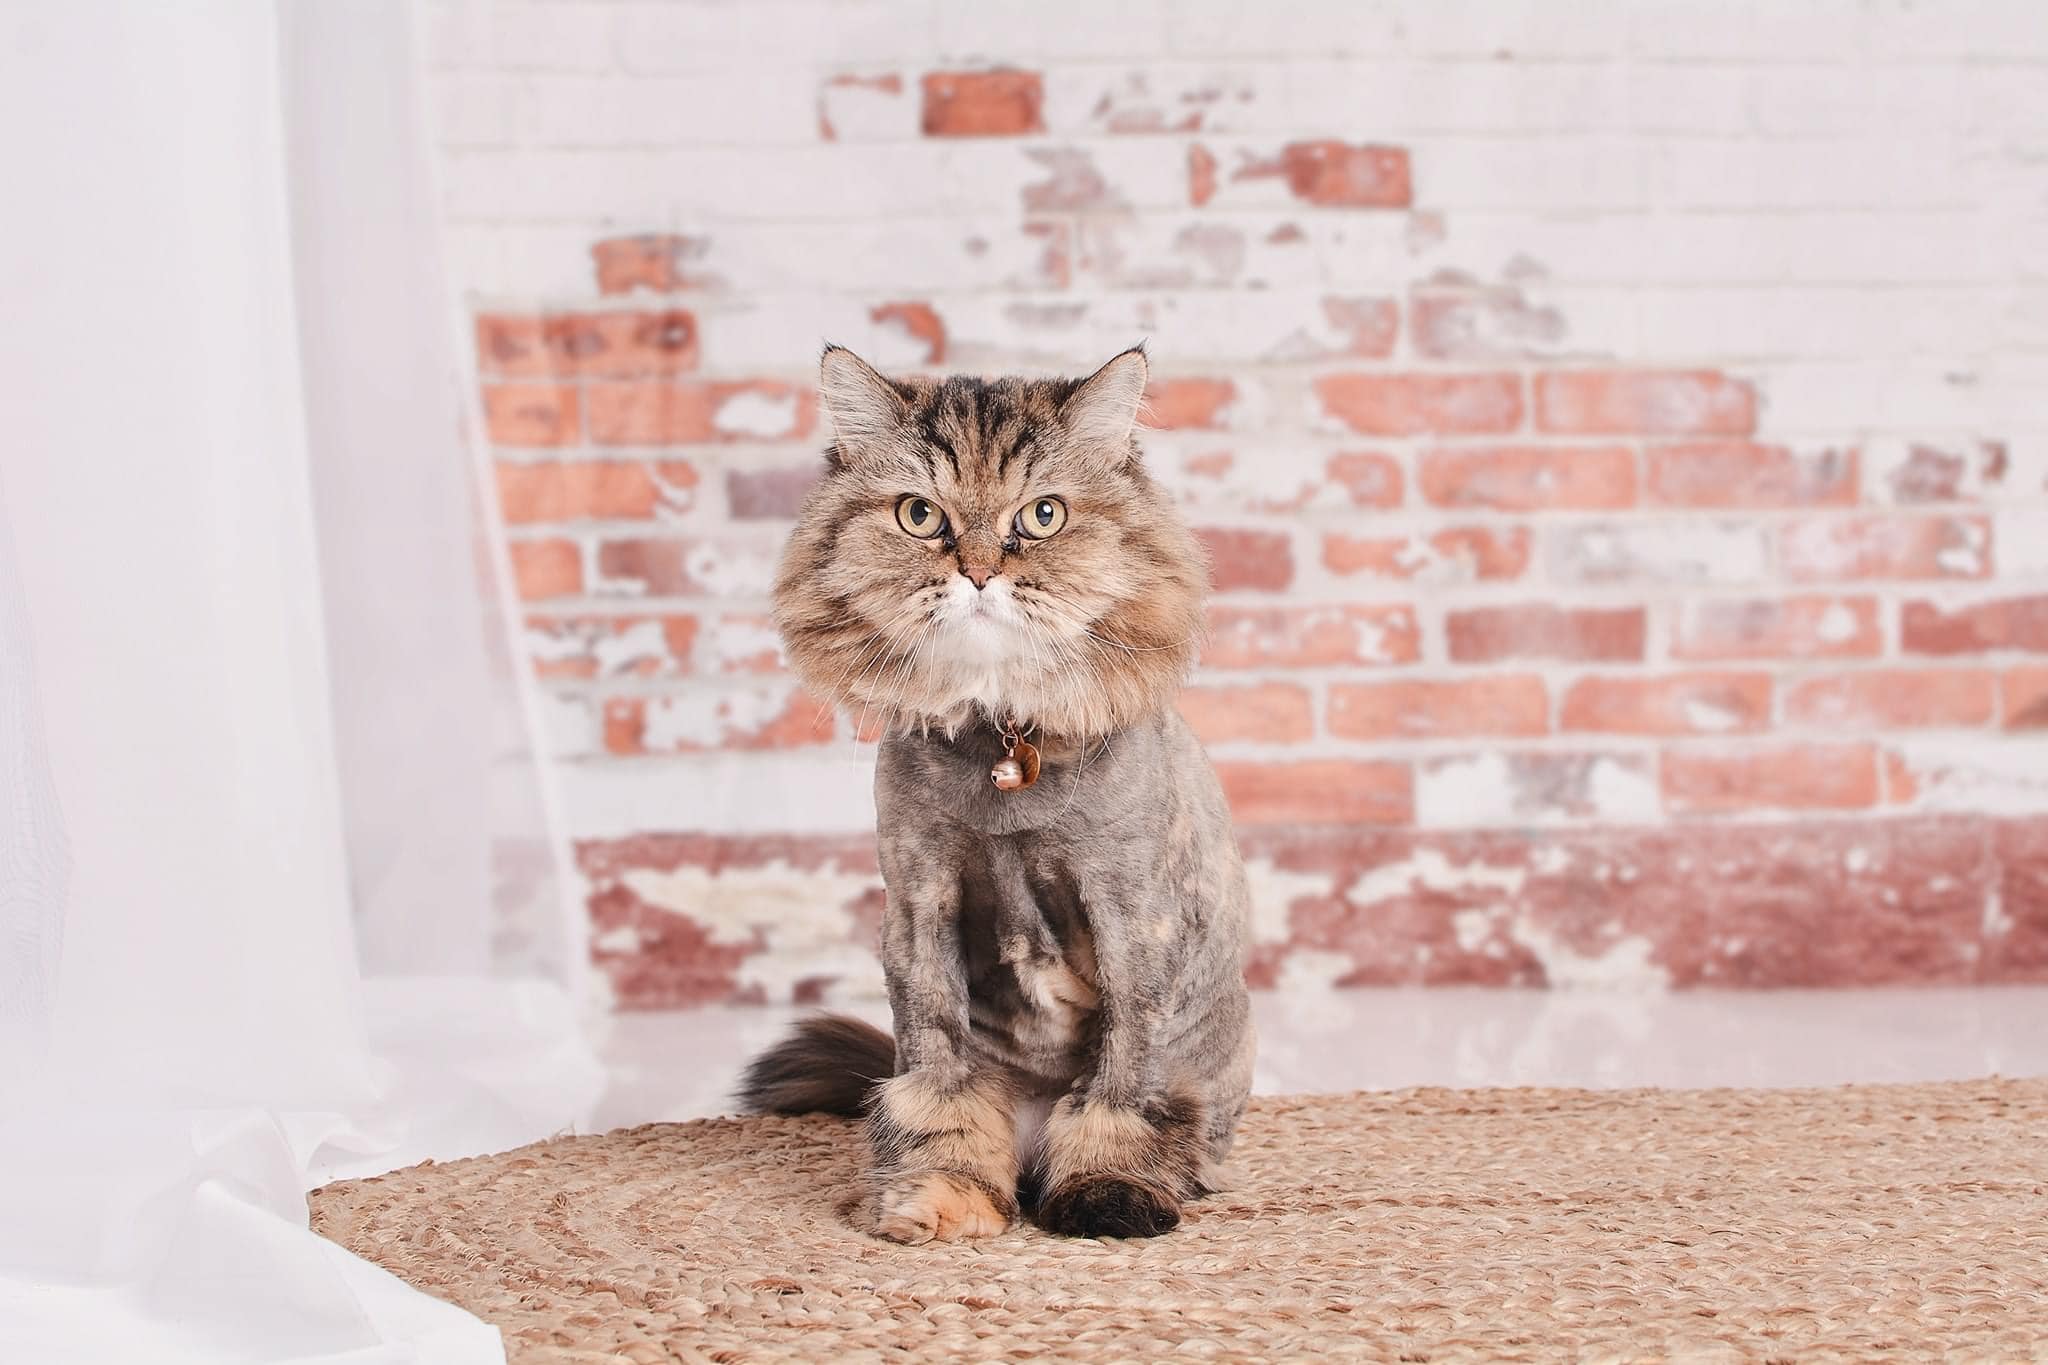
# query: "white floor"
(682, 1065)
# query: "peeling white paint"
(2005, 774)
(1273, 890)
(751, 413)
(618, 652)
(1995, 922)
(704, 717)
(1624, 965)
(1427, 869)
(1312, 969)
(1708, 717)
(1473, 927)
(798, 913)
(1836, 625)
(1857, 859)
(735, 641)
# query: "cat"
(986, 566)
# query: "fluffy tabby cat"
(1064, 961)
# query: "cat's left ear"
(1101, 413)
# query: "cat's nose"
(978, 574)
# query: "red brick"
(2009, 623)
(1370, 326)
(1892, 699)
(1415, 404)
(1525, 478)
(1653, 402)
(771, 494)
(1459, 554)
(1342, 174)
(684, 413)
(1505, 704)
(1319, 792)
(2016, 939)
(611, 646)
(983, 103)
(646, 261)
(530, 414)
(617, 345)
(1187, 404)
(2026, 697)
(547, 568)
(1901, 779)
(1673, 704)
(1836, 548)
(1311, 637)
(653, 566)
(1962, 473)
(598, 489)
(636, 725)
(1370, 478)
(1262, 560)
(1201, 175)
(1788, 777)
(1745, 474)
(1268, 713)
(919, 322)
(1536, 630)
(1813, 627)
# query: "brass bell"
(1008, 774)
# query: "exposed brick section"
(1506, 704)
(1538, 631)
(1892, 699)
(1650, 402)
(2004, 623)
(1786, 777)
(1527, 478)
(1341, 175)
(1461, 554)
(1842, 548)
(1422, 404)
(2025, 697)
(599, 489)
(755, 494)
(547, 568)
(1370, 327)
(635, 726)
(1201, 175)
(1806, 627)
(616, 344)
(1370, 478)
(1260, 560)
(1180, 404)
(1311, 637)
(687, 413)
(531, 414)
(660, 567)
(1268, 713)
(1318, 792)
(1746, 474)
(1675, 704)
(594, 647)
(1481, 324)
(919, 322)
(653, 261)
(983, 103)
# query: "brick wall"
(1621, 435)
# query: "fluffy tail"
(829, 1065)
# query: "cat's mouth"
(981, 626)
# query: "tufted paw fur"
(936, 1207)
(1105, 1206)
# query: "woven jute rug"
(1872, 1223)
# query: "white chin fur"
(983, 636)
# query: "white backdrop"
(266, 768)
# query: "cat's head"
(991, 547)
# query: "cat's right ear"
(864, 407)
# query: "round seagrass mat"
(1881, 1222)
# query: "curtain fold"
(279, 894)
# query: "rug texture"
(1869, 1223)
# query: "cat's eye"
(921, 517)
(1041, 518)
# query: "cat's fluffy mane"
(1080, 634)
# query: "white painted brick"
(611, 112)
(1852, 101)
(1997, 29)
(1507, 30)
(1665, 97)
(866, 107)
(1014, 32)
(1689, 551)
(769, 34)
(1808, 173)
(1578, 174)
(1741, 325)
(1249, 28)
(1744, 30)
(478, 110)
(549, 37)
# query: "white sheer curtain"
(279, 897)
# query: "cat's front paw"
(936, 1207)
(1104, 1206)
